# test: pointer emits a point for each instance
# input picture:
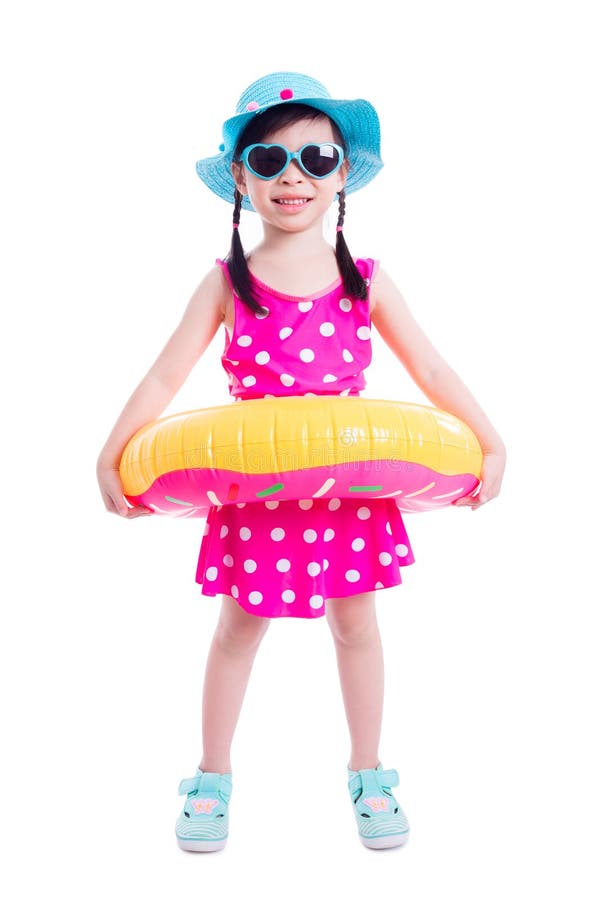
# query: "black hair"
(259, 126)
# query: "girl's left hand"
(492, 470)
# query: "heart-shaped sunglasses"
(268, 161)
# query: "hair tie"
(236, 224)
(339, 228)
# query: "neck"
(299, 244)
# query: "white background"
(486, 216)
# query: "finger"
(137, 511)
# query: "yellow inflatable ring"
(292, 448)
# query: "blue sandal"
(204, 822)
(380, 819)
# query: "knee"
(241, 633)
(352, 627)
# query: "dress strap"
(367, 267)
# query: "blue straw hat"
(356, 119)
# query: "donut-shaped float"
(292, 448)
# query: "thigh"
(351, 618)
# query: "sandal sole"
(382, 843)
(199, 846)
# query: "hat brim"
(356, 119)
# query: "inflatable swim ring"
(292, 448)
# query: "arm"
(438, 381)
(199, 324)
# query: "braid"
(354, 283)
(236, 260)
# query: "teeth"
(292, 202)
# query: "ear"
(239, 176)
(342, 175)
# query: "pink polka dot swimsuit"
(285, 558)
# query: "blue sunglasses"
(267, 161)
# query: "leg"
(353, 624)
(234, 645)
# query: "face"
(293, 201)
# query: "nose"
(293, 174)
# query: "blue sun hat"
(356, 119)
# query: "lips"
(292, 201)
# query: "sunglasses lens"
(267, 161)
(320, 160)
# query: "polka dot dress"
(285, 558)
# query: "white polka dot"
(345, 393)
(352, 575)
(255, 597)
(249, 565)
(234, 591)
(329, 534)
(388, 527)
(313, 568)
(245, 534)
(285, 332)
(268, 396)
(316, 601)
(345, 304)
(224, 531)
(363, 512)
(305, 504)
(286, 379)
(329, 378)
(283, 565)
(249, 380)
(363, 333)
(310, 536)
(206, 530)
(277, 534)
(240, 505)
(378, 584)
(228, 560)
(402, 550)
(272, 504)
(262, 313)
(262, 358)
(244, 340)
(325, 565)
(288, 596)
(327, 329)
(305, 305)
(358, 544)
(334, 504)
(211, 573)
(385, 558)
(347, 356)
(307, 355)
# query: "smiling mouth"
(301, 201)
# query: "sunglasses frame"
(296, 155)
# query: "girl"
(297, 317)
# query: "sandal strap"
(372, 780)
(207, 783)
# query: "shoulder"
(214, 291)
(384, 292)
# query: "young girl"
(296, 315)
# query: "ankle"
(363, 762)
(215, 764)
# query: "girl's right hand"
(112, 494)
